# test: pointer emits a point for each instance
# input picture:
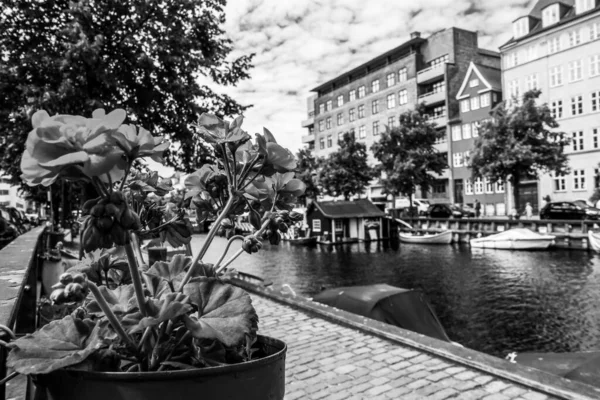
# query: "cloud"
(303, 43)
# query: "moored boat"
(436, 238)
(594, 240)
(304, 241)
(514, 239)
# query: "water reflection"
(491, 300)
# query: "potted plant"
(172, 328)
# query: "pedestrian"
(546, 200)
(477, 208)
(529, 210)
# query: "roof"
(490, 77)
(362, 208)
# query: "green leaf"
(169, 307)
(174, 271)
(225, 312)
(121, 300)
(59, 344)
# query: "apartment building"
(479, 93)
(367, 99)
(556, 48)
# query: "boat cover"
(404, 308)
(515, 234)
(582, 366)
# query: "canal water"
(493, 301)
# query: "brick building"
(480, 92)
(556, 48)
(366, 99)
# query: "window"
(532, 52)
(322, 143)
(340, 100)
(478, 186)
(596, 178)
(329, 105)
(577, 105)
(484, 100)
(375, 86)
(390, 79)
(316, 225)
(391, 100)
(403, 96)
(440, 61)
(579, 179)
(439, 111)
(577, 141)
(515, 58)
(553, 45)
(466, 131)
(464, 105)
(575, 70)
(550, 15)
(514, 89)
(456, 134)
(340, 119)
(583, 5)
(457, 159)
(520, 27)
(489, 186)
(439, 87)
(466, 158)
(4, 192)
(556, 108)
(532, 82)
(361, 92)
(321, 108)
(361, 111)
(328, 123)
(321, 126)
(329, 141)
(352, 95)
(475, 129)
(474, 82)
(362, 132)
(402, 75)
(391, 122)
(468, 187)
(475, 103)
(556, 76)
(352, 114)
(375, 128)
(375, 107)
(559, 183)
(595, 65)
(595, 31)
(340, 136)
(574, 38)
(499, 187)
(596, 101)
(595, 142)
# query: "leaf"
(295, 187)
(280, 157)
(59, 344)
(225, 312)
(121, 300)
(169, 307)
(172, 272)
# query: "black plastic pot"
(260, 379)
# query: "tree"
(306, 171)
(345, 172)
(519, 141)
(145, 56)
(407, 154)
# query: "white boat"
(514, 239)
(594, 240)
(436, 238)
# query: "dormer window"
(521, 27)
(583, 5)
(550, 15)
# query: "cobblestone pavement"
(329, 361)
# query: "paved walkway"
(329, 361)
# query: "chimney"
(415, 34)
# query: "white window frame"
(595, 138)
(457, 159)
(375, 107)
(456, 133)
(375, 128)
(500, 188)
(577, 143)
(583, 5)
(391, 100)
(514, 89)
(390, 79)
(362, 132)
(577, 105)
(579, 182)
(340, 119)
(375, 86)
(484, 99)
(340, 100)
(595, 101)
(474, 103)
(595, 65)
(361, 91)
(403, 96)
(550, 15)
(352, 95)
(595, 31)
(328, 123)
(329, 105)
(556, 108)
(316, 225)
(488, 185)
(556, 76)
(554, 45)
(478, 186)
(466, 131)
(402, 74)
(361, 111)
(560, 184)
(575, 70)
(352, 115)
(468, 187)
(574, 38)
(465, 105)
(475, 129)
(532, 81)
(391, 122)
(322, 108)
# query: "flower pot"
(260, 379)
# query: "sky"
(300, 44)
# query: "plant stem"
(125, 177)
(207, 242)
(229, 243)
(240, 251)
(112, 318)
(135, 277)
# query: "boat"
(404, 308)
(435, 238)
(304, 241)
(514, 239)
(594, 240)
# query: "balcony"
(432, 98)
(431, 74)
(308, 122)
(308, 139)
(440, 121)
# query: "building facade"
(370, 97)
(479, 93)
(10, 197)
(556, 48)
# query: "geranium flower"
(138, 143)
(59, 143)
(214, 130)
(277, 157)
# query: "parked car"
(444, 211)
(467, 211)
(569, 210)
(421, 205)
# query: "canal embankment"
(333, 354)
